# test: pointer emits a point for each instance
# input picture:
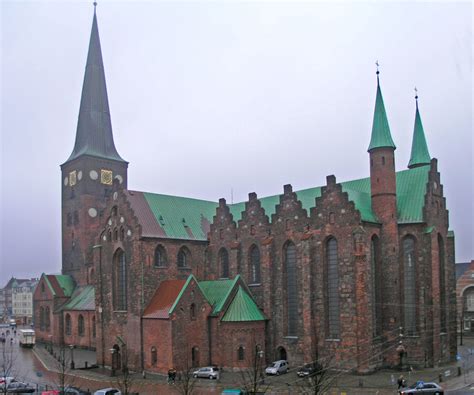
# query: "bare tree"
(7, 364)
(321, 377)
(125, 379)
(185, 382)
(253, 377)
(64, 365)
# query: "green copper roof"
(242, 308)
(217, 292)
(82, 299)
(184, 218)
(411, 190)
(60, 284)
(94, 127)
(381, 136)
(419, 149)
(67, 283)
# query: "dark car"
(17, 387)
(422, 388)
(309, 369)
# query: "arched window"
(241, 353)
(115, 234)
(160, 256)
(254, 265)
(47, 318)
(67, 324)
(195, 356)
(183, 257)
(192, 312)
(376, 285)
(42, 318)
(442, 284)
(291, 289)
(409, 277)
(332, 289)
(120, 280)
(122, 233)
(80, 325)
(154, 356)
(93, 327)
(224, 263)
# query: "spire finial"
(95, 5)
(416, 96)
(377, 64)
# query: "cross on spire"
(377, 64)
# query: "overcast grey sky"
(206, 97)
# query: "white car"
(278, 367)
(208, 372)
(108, 391)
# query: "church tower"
(91, 169)
(420, 156)
(384, 205)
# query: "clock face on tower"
(106, 177)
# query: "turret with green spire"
(420, 155)
(381, 136)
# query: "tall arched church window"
(120, 280)
(332, 289)
(154, 356)
(183, 257)
(376, 285)
(67, 324)
(41, 318)
(442, 284)
(291, 289)
(80, 325)
(409, 291)
(254, 265)
(224, 263)
(160, 256)
(47, 318)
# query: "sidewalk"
(381, 382)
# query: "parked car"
(423, 388)
(278, 367)
(208, 372)
(108, 391)
(17, 387)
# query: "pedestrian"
(400, 382)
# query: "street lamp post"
(71, 347)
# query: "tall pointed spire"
(381, 136)
(94, 128)
(420, 155)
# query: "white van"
(26, 337)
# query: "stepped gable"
(290, 209)
(223, 225)
(334, 206)
(253, 220)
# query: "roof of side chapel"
(218, 293)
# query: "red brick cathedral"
(344, 269)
